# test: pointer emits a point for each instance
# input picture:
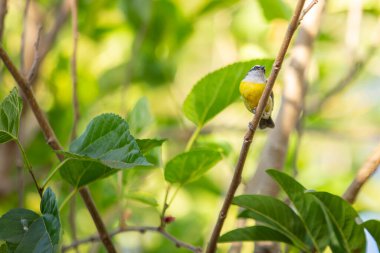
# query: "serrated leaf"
(105, 147)
(373, 227)
(50, 215)
(140, 117)
(344, 221)
(275, 214)
(255, 233)
(189, 166)
(10, 113)
(308, 208)
(217, 90)
(146, 145)
(275, 9)
(142, 197)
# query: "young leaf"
(255, 233)
(189, 166)
(274, 214)
(217, 90)
(142, 197)
(104, 147)
(140, 117)
(373, 227)
(10, 113)
(50, 215)
(344, 223)
(273, 9)
(309, 210)
(146, 145)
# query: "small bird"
(251, 89)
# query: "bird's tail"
(264, 123)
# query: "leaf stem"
(193, 137)
(165, 206)
(66, 200)
(50, 176)
(29, 167)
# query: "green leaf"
(217, 90)
(275, 214)
(146, 145)
(373, 227)
(189, 166)
(275, 9)
(309, 210)
(50, 215)
(142, 197)
(255, 233)
(105, 147)
(10, 113)
(214, 5)
(140, 117)
(345, 232)
(3, 248)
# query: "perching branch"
(211, 248)
(54, 144)
(142, 229)
(364, 173)
(307, 9)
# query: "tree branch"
(141, 229)
(54, 144)
(211, 248)
(23, 37)
(3, 13)
(74, 78)
(364, 173)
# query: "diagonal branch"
(54, 144)
(211, 248)
(3, 13)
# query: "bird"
(251, 89)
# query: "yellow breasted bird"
(251, 89)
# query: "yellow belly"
(251, 93)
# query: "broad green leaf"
(140, 117)
(255, 233)
(275, 214)
(36, 240)
(189, 166)
(344, 223)
(10, 113)
(373, 227)
(105, 147)
(217, 90)
(50, 215)
(309, 210)
(146, 145)
(142, 197)
(3, 248)
(275, 9)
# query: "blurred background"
(157, 50)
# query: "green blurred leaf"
(213, 5)
(3, 248)
(255, 233)
(274, 214)
(104, 147)
(345, 232)
(10, 113)
(373, 227)
(140, 117)
(146, 145)
(309, 210)
(275, 9)
(217, 90)
(189, 166)
(142, 197)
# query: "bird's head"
(258, 68)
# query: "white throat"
(255, 77)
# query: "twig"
(74, 78)
(307, 9)
(33, 69)
(141, 229)
(364, 173)
(211, 248)
(54, 144)
(3, 13)
(23, 37)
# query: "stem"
(165, 207)
(29, 167)
(211, 248)
(50, 176)
(66, 200)
(193, 137)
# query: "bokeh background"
(158, 49)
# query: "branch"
(33, 69)
(364, 173)
(142, 230)
(54, 144)
(307, 9)
(74, 78)
(23, 39)
(3, 13)
(211, 248)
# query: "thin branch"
(33, 69)
(211, 248)
(74, 78)
(140, 229)
(364, 173)
(54, 144)
(23, 37)
(307, 9)
(3, 13)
